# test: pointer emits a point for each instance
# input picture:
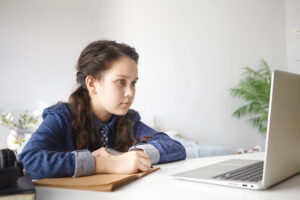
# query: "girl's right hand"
(127, 163)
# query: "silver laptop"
(282, 151)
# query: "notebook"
(282, 144)
(97, 182)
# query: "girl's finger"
(144, 164)
(143, 155)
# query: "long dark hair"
(94, 60)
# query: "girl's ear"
(90, 84)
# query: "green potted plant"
(254, 89)
(20, 127)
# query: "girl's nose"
(129, 91)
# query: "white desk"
(159, 185)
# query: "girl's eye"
(121, 82)
(133, 83)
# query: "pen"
(144, 151)
(112, 151)
(117, 153)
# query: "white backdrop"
(191, 54)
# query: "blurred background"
(191, 53)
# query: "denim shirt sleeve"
(84, 163)
(168, 148)
(47, 154)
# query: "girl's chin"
(122, 111)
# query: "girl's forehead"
(125, 67)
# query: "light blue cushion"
(200, 149)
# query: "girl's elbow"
(32, 166)
(183, 152)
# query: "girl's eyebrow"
(127, 77)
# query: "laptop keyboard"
(252, 173)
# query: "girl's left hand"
(102, 153)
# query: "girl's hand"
(101, 152)
(127, 163)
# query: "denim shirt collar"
(110, 124)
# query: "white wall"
(292, 39)
(39, 44)
(191, 54)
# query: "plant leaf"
(254, 89)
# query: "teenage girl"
(73, 137)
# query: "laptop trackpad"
(215, 169)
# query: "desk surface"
(159, 185)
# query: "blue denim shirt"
(50, 152)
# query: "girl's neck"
(100, 113)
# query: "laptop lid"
(282, 157)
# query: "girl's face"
(115, 90)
